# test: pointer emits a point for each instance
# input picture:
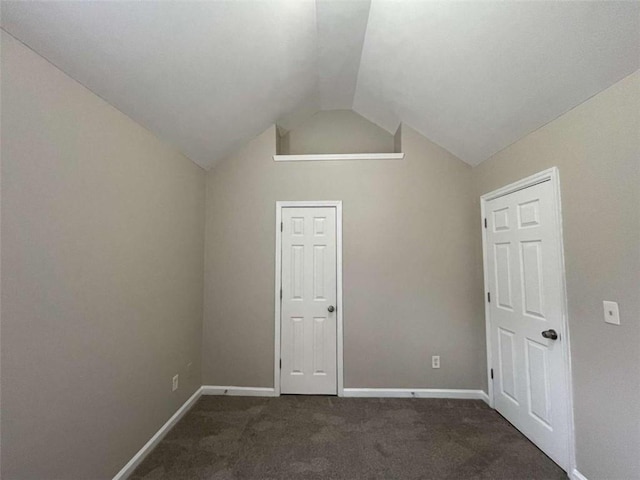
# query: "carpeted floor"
(299, 437)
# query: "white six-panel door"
(525, 284)
(308, 305)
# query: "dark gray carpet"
(298, 437)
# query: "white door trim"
(339, 331)
(552, 175)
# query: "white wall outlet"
(435, 361)
(611, 312)
(174, 386)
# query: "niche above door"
(336, 135)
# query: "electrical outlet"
(175, 383)
(435, 361)
(611, 312)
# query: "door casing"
(278, 285)
(551, 175)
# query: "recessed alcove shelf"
(336, 135)
(338, 156)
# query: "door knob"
(331, 308)
(550, 334)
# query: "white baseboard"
(146, 449)
(576, 475)
(354, 392)
(485, 397)
(416, 393)
(239, 391)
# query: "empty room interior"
(320, 239)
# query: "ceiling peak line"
(442, 67)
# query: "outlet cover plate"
(611, 312)
(435, 361)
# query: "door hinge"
(492, 374)
(281, 226)
(489, 297)
(281, 367)
(280, 294)
(485, 223)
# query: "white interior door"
(308, 309)
(525, 286)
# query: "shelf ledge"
(338, 156)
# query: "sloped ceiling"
(475, 77)
(208, 76)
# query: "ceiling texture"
(207, 77)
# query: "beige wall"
(596, 147)
(409, 234)
(102, 267)
(103, 243)
(336, 131)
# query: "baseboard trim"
(485, 397)
(239, 391)
(160, 434)
(416, 393)
(576, 475)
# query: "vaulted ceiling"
(208, 76)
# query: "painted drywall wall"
(408, 232)
(596, 147)
(102, 277)
(336, 131)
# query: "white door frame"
(339, 331)
(552, 175)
